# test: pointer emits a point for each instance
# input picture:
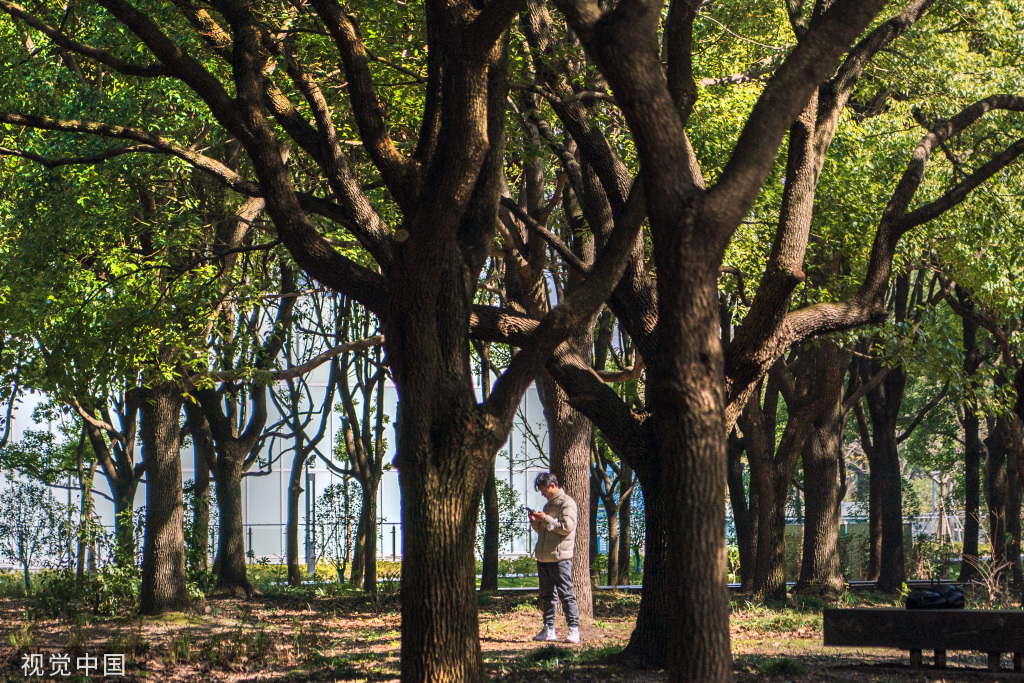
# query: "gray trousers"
(556, 581)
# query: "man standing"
(556, 536)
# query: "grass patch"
(765, 619)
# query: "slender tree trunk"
(613, 543)
(972, 457)
(292, 529)
(972, 494)
(492, 539)
(1013, 501)
(874, 517)
(205, 453)
(231, 568)
(370, 547)
(359, 553)
(746, 539)
(124, 523)
(595, 497)
(996, 495)
(164, 586)
(886, 475)
(625, 531)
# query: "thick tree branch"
(786, 94)
(555, 327)
(490, 23)
(57, 162)
(397, 171)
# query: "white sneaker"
(574, 635)
(548, 634)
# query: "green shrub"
(114, 590)
(12, 585)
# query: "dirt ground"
(296, 638)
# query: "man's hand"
(536, 516)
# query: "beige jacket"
(556, 531)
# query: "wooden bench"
(990, 631)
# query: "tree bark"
(359, 551)
(292, 529)
(370, 543)
(886, 478)
(613, 545)
(1013, 522)
(124, 522)
(648, 644)
(204, 452)
(996, 495)
(489, 573)
(972, 455)
(595, 497)
(625, 530)
(231, 566)
(743, 519)
(438, 592)
(769, 580)
(164, 586)
(821, 570)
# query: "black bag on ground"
(936, 597)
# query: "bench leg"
(1018, 661)
(940, 659)
(915, 659)
(993, 661)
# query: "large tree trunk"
(440, 636)
(164, 586)
(821, 569)
(231, 568)
(685, 395)
(292, 527)
(492, 538)
(570, 435)
(625, 530)
(769, 576)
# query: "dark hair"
(544, 480)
